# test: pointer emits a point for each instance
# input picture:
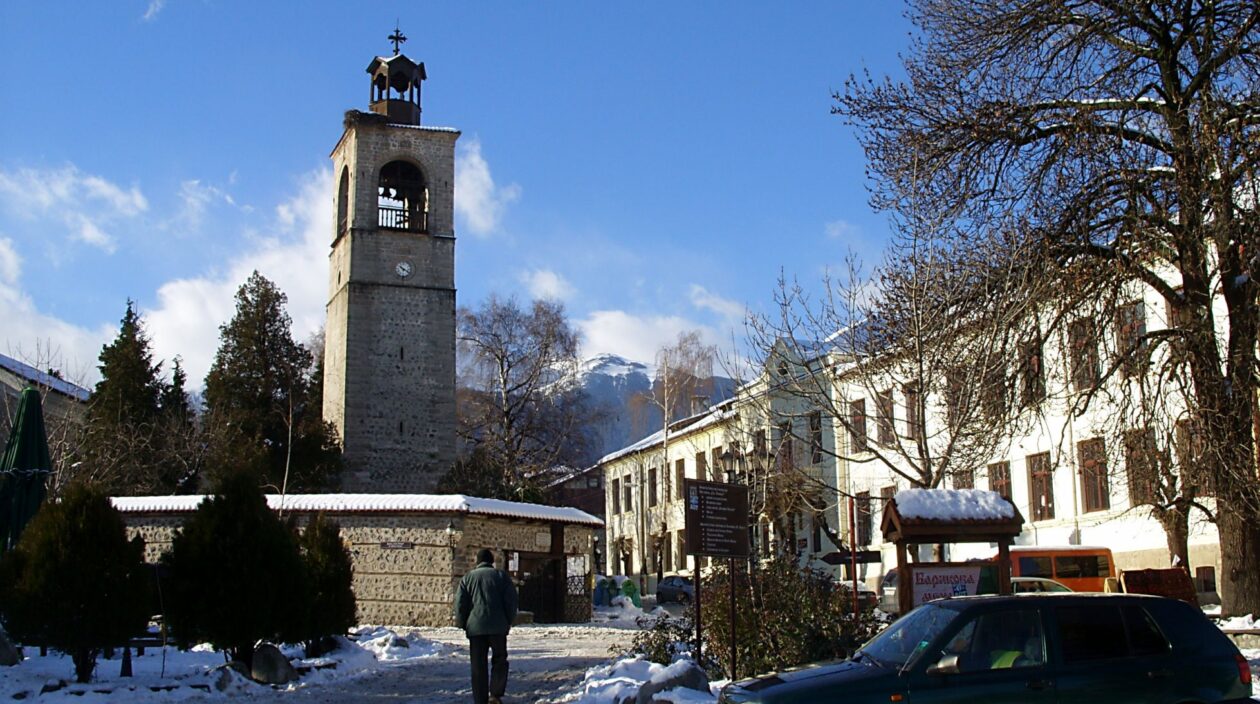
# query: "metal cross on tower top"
(397, 38)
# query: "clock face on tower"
(403, 269)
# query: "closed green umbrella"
(24, 469)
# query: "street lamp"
(596, 567)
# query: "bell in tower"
(396, 85)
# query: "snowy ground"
(568, 664)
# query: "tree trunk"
(1239, 581)
(84, 663)
(1176, 523)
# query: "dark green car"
(1027, 649)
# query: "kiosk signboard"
(716, 517)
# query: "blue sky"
(652, 165)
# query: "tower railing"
(396, 218)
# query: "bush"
(330, 608)
(662, 638)
(785, 616)
(74, 582)
(235, 574)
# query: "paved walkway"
(545, 662)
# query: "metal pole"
(699, 639)
(734, 659)
(853, 554)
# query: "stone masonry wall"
(406, 566)
(390, 340)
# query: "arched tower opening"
(343, 202)
(402, 198)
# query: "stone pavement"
(545, 662)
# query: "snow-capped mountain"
(618, 387)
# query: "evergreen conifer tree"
(236, 576)
(174, 397)
(331, 610)
(258, 397)
(128, 391)
(128, 446)
(74, 582)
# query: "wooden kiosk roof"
(927, 516)
(981, 520)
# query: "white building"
(1075, 479)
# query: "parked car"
(888, 593)
(1028, 648)
(1036, 585)
(867, 597)
(675, 588)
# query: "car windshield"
(901, 642)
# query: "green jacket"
(485, 603)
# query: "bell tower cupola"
(396, 84)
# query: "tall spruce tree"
(129, 388)
(258, 391)
(127, 445)
(174, 397)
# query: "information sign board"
(943, 580)
(716, 518)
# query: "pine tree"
(258, 395)
(236, 576)
(128, 391)
(329, 572)
(74, 582)
(126, 446)
(174, 398)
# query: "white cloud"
(197, 198)
(841, 229)
(294, 256)
(42, 340)
(547, 284)
(82, 203)
(478, 201)
(89, 232)
(185, 321)
(731, 311)
(155, 6)
(633, 336)
(10, 263)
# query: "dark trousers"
(478, 646)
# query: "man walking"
(485, 607)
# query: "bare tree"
(909, 364)
(520, 412)
(1120, 142)
(682, 386)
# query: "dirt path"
(544, 661)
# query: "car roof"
(962, 602)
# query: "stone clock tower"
(389, 354)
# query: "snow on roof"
(427, 128)
(347, 503)
(566, 474)
(715, 414)
(44, 379)
(953, 505)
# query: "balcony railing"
(401, 219)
